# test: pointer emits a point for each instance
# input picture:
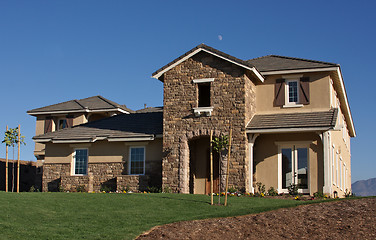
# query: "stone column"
(91, 182)
(327, 189)
(184, 166)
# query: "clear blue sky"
(54, 51)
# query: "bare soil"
(345, 219)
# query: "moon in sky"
(220, 37)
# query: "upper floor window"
(291, 91)
(62, 124)
(204, 95)
(204, 100)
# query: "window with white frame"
(337, 169)
(333, 166)
(340, 174)
(137, 160)
(292, 92)
(344, 176)
(80, 161)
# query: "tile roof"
(275, 63)
(90, 103)
(119, 126)
(150, 109)
(293, 120)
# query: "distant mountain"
(364, 187)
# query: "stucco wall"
(319, 91)
(266, 158)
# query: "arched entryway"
(199, 165)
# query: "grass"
(112, 216)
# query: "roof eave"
(290, 130)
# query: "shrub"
(167, 190)
(260, 188)
(293, 189)
(104, 188)
(80, 188)
(318, 195)
(348, 194)
(272, 192)
(232, 190)
(60, 188)
(154, 189)
(32, 189)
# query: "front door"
(294, 168)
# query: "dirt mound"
(346, 219)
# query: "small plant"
(260, 188)
(104, 188)
(232, 190)
(349, 194)
(272, 192)
(32, 189)
(167, 190)
(293, 189)
(318, 195)
(60, 188)
(153, 189)
(80, 188)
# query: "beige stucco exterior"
(266, 157)
(319, 94)
(323, 96)
(102, 151)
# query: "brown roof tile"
(294, 120)
(90, 103)
(276, 63)
(120, 126)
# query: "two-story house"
(290, 119)
(68, 114)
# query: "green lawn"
(111, 216)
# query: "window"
(204, 95)
(340, 173)
(293, 167)
(80, 157)
(62, 124)
(333, 166)
(337, 169)
(292, 92)
(137, 160)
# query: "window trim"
(73, 170)
(287, 97)
(129, 160)
(207, 110)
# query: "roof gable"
(202, 47)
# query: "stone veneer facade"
(233, 99)
(112, 175)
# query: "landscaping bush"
(272, 192)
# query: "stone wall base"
(108, 176)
